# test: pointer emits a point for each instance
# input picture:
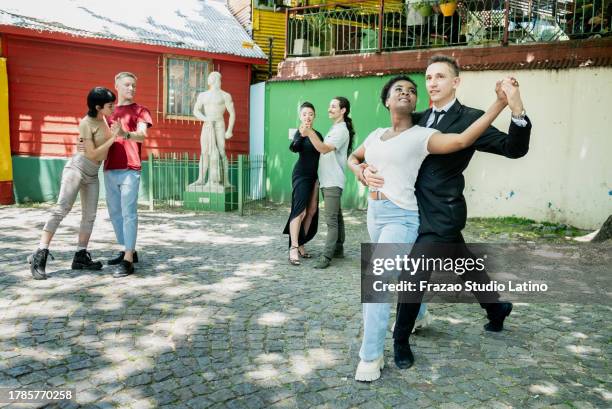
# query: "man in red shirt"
(122, 170)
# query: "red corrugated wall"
(49, 81)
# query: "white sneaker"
(420, 323)
(368, 371)
(423, 322)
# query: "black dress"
(303, 181)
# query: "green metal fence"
(363, 27)
(173, 181)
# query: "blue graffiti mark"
(609, 192)
(510, 194)
(549, 205)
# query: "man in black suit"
(440, 183)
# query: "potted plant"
(437, 40)
(448, 7)
(423, 7)
(317, 29)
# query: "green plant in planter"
(318, 27)
(437, 40)
(423, 7)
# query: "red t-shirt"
(125, 153)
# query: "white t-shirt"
(332, 164)
(398, 161)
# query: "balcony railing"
(364, 26)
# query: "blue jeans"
(387, 223)
(122, 201)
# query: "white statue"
(210, 107)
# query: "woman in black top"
(304, 218)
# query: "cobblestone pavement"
(215, 317)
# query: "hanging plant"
(423, 8)
(448, 7)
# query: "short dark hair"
(98, 96)
(446, 59)
(307, 104)
(384, 93)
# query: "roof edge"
(127, 45)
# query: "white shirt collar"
(445, 107)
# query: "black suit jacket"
(439, 185)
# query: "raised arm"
(515, 143)
(297, 144)
(91, 151)
(141, 130)
(440, 143)
(322, 147)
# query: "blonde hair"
(124, 74)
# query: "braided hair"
(344, 103)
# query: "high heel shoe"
(303, 253)
(294, 261)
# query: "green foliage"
(522, 228)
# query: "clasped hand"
(305, 129)
(117, 130)
(507, 91)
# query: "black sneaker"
(82, 261)
(38, 263)
(117, 260)
(123, 269)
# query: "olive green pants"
(334, 221)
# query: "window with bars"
(185, 79)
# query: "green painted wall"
(282, 102)
(38, 179)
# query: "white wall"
(256, 135)
(567, 175)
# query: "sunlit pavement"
(216, 317)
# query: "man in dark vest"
(440, 183)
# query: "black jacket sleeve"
(513, 144)
(297, 145)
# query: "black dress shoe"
(402, 355)
(82, 261)
(117, 260)
(123, 269)
(496, 324)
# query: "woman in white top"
(397, 152)
(332, 163)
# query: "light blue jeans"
(387, 223)
(122, 202)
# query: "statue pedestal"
(218, 200)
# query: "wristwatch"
(128, 135)
(521, 116)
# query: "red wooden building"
(57, 52)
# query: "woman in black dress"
(304, 218)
